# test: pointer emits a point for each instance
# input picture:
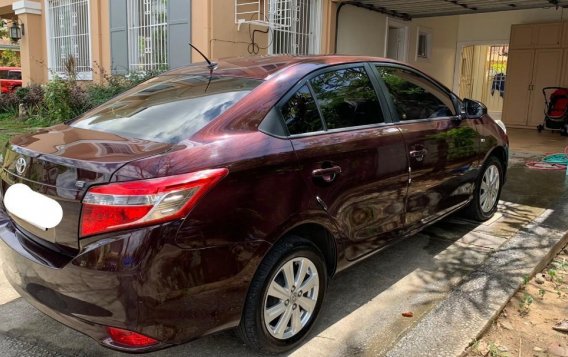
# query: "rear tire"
(487, 191)
(275, 324)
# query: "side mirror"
(472, 109)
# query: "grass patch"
(11, 126)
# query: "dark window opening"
(423, 45)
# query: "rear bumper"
(136, 281)
(81, 299)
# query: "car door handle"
(327, 174)
(418, 154)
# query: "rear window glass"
(16, 75)
(167, 108)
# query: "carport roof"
(409, 9)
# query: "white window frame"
(458, 63)
(421, 31)
(134, 35)
(283, 25)
(82, 76)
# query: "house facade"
(464, 45)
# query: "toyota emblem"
(21, 165)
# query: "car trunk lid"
(61, 163)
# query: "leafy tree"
(9, 58)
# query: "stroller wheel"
(540, 128)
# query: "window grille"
(296, 26)
(69, 37)
(147, 34)
(496, 71)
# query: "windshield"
(167, 109)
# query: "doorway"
(396, 39)
(483, 75)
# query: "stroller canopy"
(558, 106)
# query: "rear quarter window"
(168, 109)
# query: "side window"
(300, 113)
(15, 75)
(414, 96)
(347, 98)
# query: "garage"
(502, 53)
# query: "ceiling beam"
(401, 15)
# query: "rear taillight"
(136, 203)
(125, 338)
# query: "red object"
(10, 79)
(129, 338)
(558, 103)
(408, 314)
(99, 215)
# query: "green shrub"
(100, 93)
(56, 101)
(63, 99)
(9, 103)
(31, 97)
(78, 100)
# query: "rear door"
(350, 156)
(442, 149)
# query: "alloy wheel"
(291, 298)
(489, 190)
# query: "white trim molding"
(390, 22)
(458, 64)
(27, 7)
(428, 37)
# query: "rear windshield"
(167, 109)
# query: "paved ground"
(362, 313)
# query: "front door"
(352, 160)
(442, 149)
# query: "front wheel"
(284, 298)
(487, 191)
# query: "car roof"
(263, 67)
(10, 68)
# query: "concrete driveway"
(362, 312)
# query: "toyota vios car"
(204, 200)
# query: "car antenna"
(211, 65)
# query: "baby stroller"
(556, 111)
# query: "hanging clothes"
(499, 84)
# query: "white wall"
(497, 26)
(444, 38)
(361, 32)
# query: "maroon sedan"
(202, 201)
